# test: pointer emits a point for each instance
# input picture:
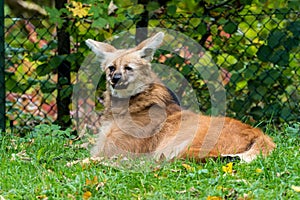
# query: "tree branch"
(218, 5)
(25, 8)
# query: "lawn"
(43, 165)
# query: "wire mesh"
(258, 56)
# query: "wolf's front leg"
(99, 148)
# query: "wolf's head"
(128, 71)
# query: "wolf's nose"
(116, 77)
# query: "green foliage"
(259, 50)
(230, 27)
(256, 49)
(257, 45)
(55, 16)
(25, 63)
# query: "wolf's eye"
(128, 68)
(112, 68)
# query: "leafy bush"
(259, 50)
(256, 46)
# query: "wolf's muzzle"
(116, 78)
(117, 82)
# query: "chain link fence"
(258, 56)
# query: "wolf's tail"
(261, 145)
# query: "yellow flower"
(78, 9)
(228, 168)
(258, 170)
(87, 195)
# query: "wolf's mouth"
(120, 85)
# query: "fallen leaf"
(192, 189)
(92, 140)
(44, 197)
(70, 164)
(21, 155)
(181, 192)
(220, 187)
(70, 196)
(188, 167)
(231, 194)
(85, 161)
(282, 173)
(100, 185)
(84, 145)
(245, 197)
(94, 181)
(156, 168)
(86, 195)
(296, 188)
(214, 198)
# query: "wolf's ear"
(148, 47)
(99, 48)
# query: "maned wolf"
(142, 118)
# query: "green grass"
(34, 167)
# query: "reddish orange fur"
(151, 123)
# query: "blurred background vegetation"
(255, 44)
